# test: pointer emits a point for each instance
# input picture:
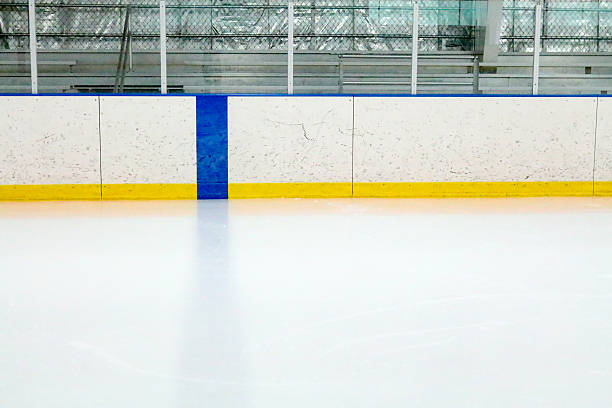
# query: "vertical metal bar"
(340, 75)
(125, 63)
(122, 56)
(130, 43)
(125, 58)
(33, 46)
(289, 47)
(353, 28)
(130, 51)
(162, 48)
(537, 48)
(269, 27)
(476, 80)
(544, 18)
(415, 47)
(598, 24)
(438, 33)
(313, 22)
(212, 31)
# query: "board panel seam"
(595, 142)
(100, 142)
(353, 151)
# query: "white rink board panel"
(290, 139)
(148, 139)
(496, 139)
(603, 158)
(49, 140)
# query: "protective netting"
(335, 25)
(325, 25)
(567, 26)
(14, 27)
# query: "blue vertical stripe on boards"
(211, 145)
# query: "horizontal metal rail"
(239, 35)
(597, 9)
(558, 37)
(547, 64)
(408, 9)
(466, 56)
(66, 63)
(301, 75)
(407, 83)
(561, 8)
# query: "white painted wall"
(290, 139)
(603, 159)
(49, 140)
(148, 139)
(438, 139)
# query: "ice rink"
(307, 303)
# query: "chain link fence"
(323, 25)
(567, 26)
(14, 27)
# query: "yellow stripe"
(149, 191)
(474, 189)
(603, 188)
(306, 190)
(289, 190)
(50, 192)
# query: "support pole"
(120, 74)
(289, 47)
(340, 75)
(125, 58)
(33, 46)
(537, 48)
(476, 78)
(493, 22)
(162, 47)
(130, 44)
(415, 47)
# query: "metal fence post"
(537, 48)
(289, 47)
(415, 47)
(162, 48)
(476, 74)
(33, 45)
(340, 75)
(130, 44)
(120, 74)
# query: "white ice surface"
(306, 303)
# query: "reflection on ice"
(327, 303)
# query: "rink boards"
(214, 146)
